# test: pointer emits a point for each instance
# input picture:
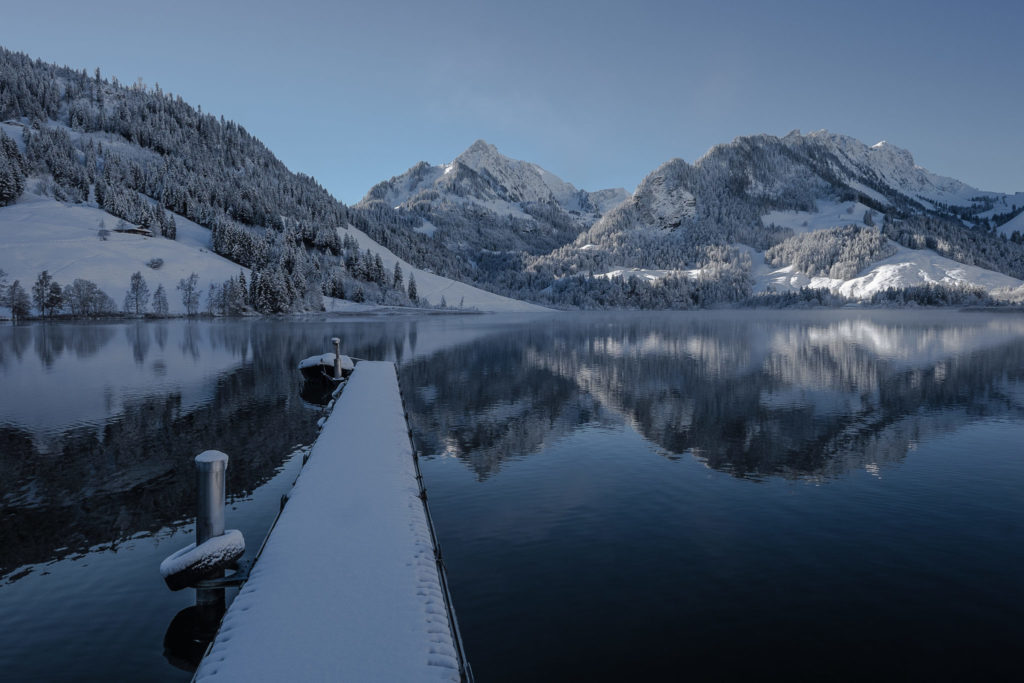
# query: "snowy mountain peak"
(482, 174)
(895, 168)
(481, 154)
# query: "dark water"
(706, 496)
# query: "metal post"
(337, 357)
(211, 466)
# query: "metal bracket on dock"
(233, 580)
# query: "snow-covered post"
(210, 466)
(215, 548)
(337, 357)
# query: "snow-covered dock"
(346, 587)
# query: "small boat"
(327, 367)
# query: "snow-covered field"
(649, 274)
(39, 233)
(431, 288)
(905, 268)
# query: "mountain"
(704, 230)
(762, 219)
(151, 177)
(484, 176)
(479, 216)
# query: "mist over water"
(700, 494)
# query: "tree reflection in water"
(755, 397)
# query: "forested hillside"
(144, 155)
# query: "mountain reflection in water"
(754, 397)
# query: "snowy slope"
(431, 288)
(905, 268)
(895, 167)
(909, 267)
(830, 214)
(1014, 224)
(39, 233)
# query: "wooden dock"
(348, 586)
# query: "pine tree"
(243, 288)
(253, 289)
(12, 171)
(396, 278)
(413, 294)
(379, 274)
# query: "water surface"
(709, 495)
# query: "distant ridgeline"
(757, 220)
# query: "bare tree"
(136, 300)
(189, 288)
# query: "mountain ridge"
(689, 235)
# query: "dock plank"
(346, 588)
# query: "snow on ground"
(426, 228)
(1015, 223)
(431, 288)
(905, 268)
(865, 190)
(649, 274)
(14, 129)
(39, 233)
(909, 267)
(346, 587)
(829, 215)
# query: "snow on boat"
(327, 366)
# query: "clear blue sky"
(599, 93)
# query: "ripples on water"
(702, 495)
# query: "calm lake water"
(721, 495)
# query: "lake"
(721, 495)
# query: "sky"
(599, 93)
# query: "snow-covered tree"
(413, 294)
(12, 170)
